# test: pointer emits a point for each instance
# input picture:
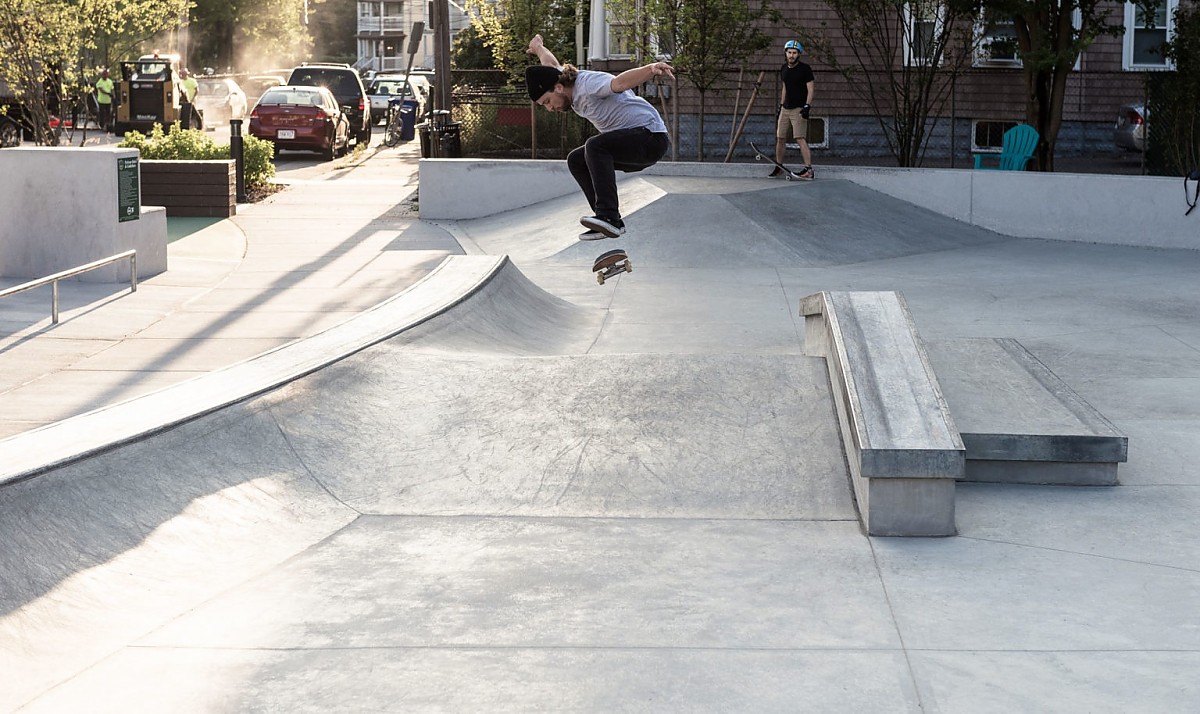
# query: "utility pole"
(439, 17)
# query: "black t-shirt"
(795, 84)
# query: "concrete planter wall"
(191, 188)
(59, 210)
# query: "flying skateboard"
(788, 174)
(611, 263)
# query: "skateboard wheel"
(787, 177)
(600, 278)
(628, 267)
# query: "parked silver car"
(1130, 130)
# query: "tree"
(469, 51)
(1051, 34)
(903, 59)
(229, 33)
(1173, 141)
(506, 27)
(709, 38)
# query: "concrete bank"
(1142, 211)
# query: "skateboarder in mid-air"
(632, 134)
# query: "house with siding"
(985, 99)
(383, 28)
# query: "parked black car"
(347, 87)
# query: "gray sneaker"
(610, 227)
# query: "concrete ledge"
(1087, 208)
(903, 448)
(1019, 422)
(26, 455)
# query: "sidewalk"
(286, 268)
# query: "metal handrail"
(53, 279)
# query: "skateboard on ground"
(788, 174)
(611, 263)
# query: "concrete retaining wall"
(1121, 210)
(58, 210)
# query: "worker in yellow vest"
(104, 100)
(187, 95)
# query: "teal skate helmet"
(794, 45)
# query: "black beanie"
(540, 79)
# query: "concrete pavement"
(561, 496)
(297, 263)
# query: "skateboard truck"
(611, 263)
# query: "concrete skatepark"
(508, 488)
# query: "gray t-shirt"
(593, 99)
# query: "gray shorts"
(791, 119)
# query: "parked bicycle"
(395, 122)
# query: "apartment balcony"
(384, 26)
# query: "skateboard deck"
(788, 174)
(611, 263)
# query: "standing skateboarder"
(795, 97)
(632, 134)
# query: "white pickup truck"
(385, 87)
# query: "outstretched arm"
(545, 56)
(637, 76)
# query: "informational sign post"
(129, 197)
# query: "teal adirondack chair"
(1016, 149)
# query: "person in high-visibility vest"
(104, 100)
(187, 94)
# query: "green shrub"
(180, 144)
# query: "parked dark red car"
(301, 118)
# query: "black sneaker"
(806, 174)
(611, 227)
(776, 173)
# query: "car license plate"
(286, 134)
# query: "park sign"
(129, 198)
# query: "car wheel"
(10, 134)
(364, 137)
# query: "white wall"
(58, 210)
(1121, 210)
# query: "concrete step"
(1019, 422)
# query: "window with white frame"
(620, 40)
(368, 9)
(1147, 30)
(988, 135)
(997, 40)
(818, 135)
(393, 9)
(923, 21)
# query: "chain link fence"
(498, 121)
(1172, 133)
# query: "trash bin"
(423, 129)
(451, 140)
(408, 120)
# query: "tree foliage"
(239, 33)
(1173, 141)
(705, 40)
(1049, 42)
(506, 26)
(51, 49)
(903, 69)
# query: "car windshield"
(340, 82)
(394, 87)
(292, 96)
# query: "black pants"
(104, 116)
(594, 165)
